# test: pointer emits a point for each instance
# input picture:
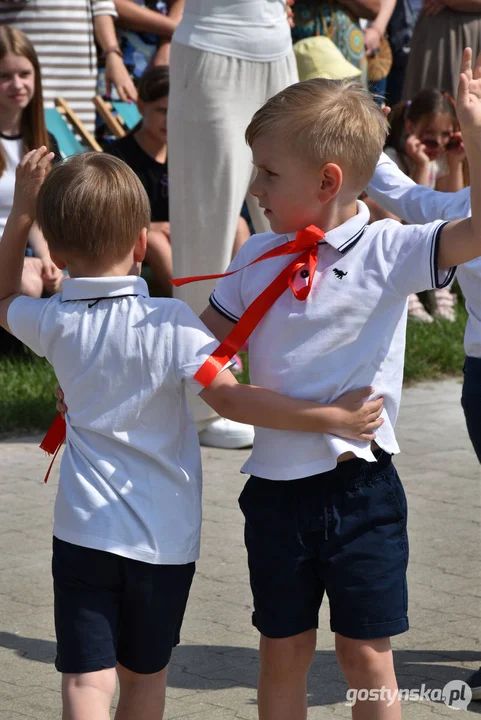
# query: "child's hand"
(31, 172)
(468, 102)
(355, 418)
(416, 151)
(51, 276)
(455, 152)
(60, 405)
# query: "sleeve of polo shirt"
(398, 194)
(227, 296)
(24, 319)
(191, 346)
(410, 257)
(103, 7)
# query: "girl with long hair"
(22, 128)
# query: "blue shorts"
(111, 609)
(342, 532)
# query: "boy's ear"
(409, 127)
(140, 247)
(330, 182)
(61, 264)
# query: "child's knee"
(290, 655)
(102, 681)
(128, 678)
(364, 657)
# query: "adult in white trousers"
(228, 57)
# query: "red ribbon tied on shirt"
(305, 243)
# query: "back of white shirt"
(246, 29)
(130, 477)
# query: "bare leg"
(32, 283)
(282, 681)
(142, 697)
(88, 696)
(159, 257)
(242, 234)
(369, 664)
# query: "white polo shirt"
(349, 333)
(130, 477)
(393, 190)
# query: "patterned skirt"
(318, 18)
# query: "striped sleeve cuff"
(221, 309)
(439, 279)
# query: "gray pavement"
(213, 673)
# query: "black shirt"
(152, 174)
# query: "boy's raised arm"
(461, 241)
(29, 177)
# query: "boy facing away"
(326, 515)
(128, 508)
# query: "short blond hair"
(92, 206)
(327, 121)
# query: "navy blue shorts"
(342, 532)
(111, 609)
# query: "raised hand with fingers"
(30, 174)
(468, 102)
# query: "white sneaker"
(223, 433)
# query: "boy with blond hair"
(324, 514)
(128, 508)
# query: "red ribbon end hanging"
(54, 440)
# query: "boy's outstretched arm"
(461, 241)
(350, 416)
(30, 175)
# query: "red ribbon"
(305, 243)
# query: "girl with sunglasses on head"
(425, 143)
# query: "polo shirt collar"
(92, 288)
(344, 237)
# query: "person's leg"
(280, 536)
(159, 257)
(142, 697)
(212, 98)
(471, 401)
(88, 696)
(366, 577)
(285, 662)
(86, 594)
(153, 606)
(32, 283)
(368, 665)
(242, 235)
(277, 75)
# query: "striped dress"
(62, 33)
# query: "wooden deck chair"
(64, 125)
(119, 117)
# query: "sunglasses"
(452, 144)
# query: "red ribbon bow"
(305, 243)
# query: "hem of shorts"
(287, 633)
(107, 545)
(374, 631)
(298, 472)
(87, 667)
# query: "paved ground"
(213, 673)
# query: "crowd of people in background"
(200, 73)
(197, 79)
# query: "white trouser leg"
(212, 99)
